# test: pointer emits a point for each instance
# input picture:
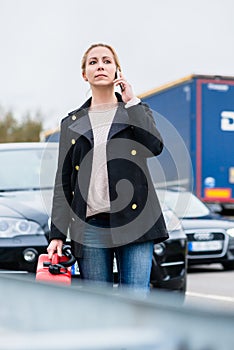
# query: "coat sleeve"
(145, 130)
(62, 195)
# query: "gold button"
(77, 167)
(134, 206)
(73, 141)
(133, 152)
(73, 193)
(73, 117)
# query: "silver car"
(210, 236)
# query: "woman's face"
(100, 67)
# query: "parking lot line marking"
(211, 296)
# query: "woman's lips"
(100, 75)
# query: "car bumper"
(227, 255)
(169, 269)
(16, 252)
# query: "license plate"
(205, 246)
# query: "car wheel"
(228, 266)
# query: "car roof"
(27, 145)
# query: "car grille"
(206, 243)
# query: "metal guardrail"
(40, 316)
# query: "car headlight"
(10, 227)
(230, 232)
(172, 221)
(159, 248)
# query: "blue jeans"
(134, 260)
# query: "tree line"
(26, 130)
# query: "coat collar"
(82, 125)
(87, 104)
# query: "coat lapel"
(120, 121)
(82, 125)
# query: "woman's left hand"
(126, 89)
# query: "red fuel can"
(57, 270)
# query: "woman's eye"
(92, 62)
(107, 61)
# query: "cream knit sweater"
(98, 195)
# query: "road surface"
(210, 286)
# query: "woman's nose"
(100, 65)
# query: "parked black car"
(26, 182)
(210, 236)
(26, 187)
(169, 268)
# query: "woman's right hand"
(55, 246)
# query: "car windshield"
(184, 204)
(27, 169)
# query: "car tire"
(228, 266)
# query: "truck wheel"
(228, 266)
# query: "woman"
(103, 191)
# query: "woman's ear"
(84, 76)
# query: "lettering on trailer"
(227, 121)
(218, 87)
(187, 91)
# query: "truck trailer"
(195, 116)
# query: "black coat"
(135, 214)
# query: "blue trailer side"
(215, 139)
(173, 107)
(201, 108)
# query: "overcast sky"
(158, 41)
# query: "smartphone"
(117, 76)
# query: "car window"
(27, 168)
(184, 204)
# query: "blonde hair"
(84, 58)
